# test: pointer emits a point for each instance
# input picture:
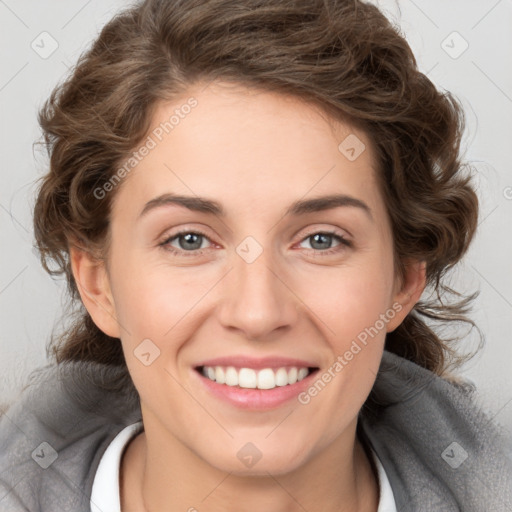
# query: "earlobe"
(93, 284)
(410, 289)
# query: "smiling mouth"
(249, 378)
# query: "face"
(269, 280)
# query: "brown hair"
(342, 55)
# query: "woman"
(249, 198)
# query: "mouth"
(255, 378)
(255, 385)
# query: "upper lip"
(257, 363)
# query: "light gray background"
(481, 77)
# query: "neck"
(341, 479)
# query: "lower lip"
(256, 399)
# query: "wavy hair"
(344, 56)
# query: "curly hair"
(341, 55)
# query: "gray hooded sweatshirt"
(440, 451)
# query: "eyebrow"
(301, 207)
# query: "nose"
(257, 299)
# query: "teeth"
(211, 373)
(303, 372)
(220, 375)
(281, 377)
(247, 378)
(292, 375)
(266, 378)
(231, 377)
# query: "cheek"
(151, 298)
(350, 305)
(349, 299)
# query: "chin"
(248, 460)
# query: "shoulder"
(52, 438)
(435, 441)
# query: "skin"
(255, 153)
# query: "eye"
(189, 243)
(321, 242)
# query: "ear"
(94, 286)
(407, 291)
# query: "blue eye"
(323, 239)
(191, 243)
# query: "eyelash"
(344, 243)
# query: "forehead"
(247, 145)
(236, 115)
